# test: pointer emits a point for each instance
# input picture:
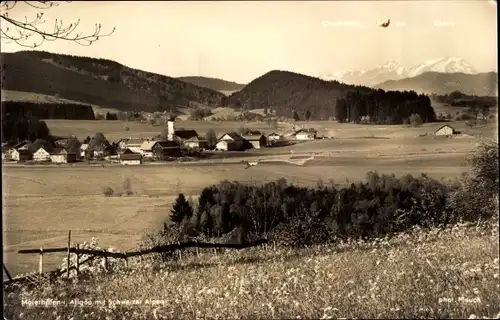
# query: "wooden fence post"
(197, 252)
(68, 259)
(77, 260)
(105, 261)
(40, 264)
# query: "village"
(135, 151)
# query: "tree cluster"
(382, 205)
(17, 130)
(384, 107)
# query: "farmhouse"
(164, 149)
(257, 141)
(196, 143)
(445, 130)
(129, 157)
(228, 145)
(60, 155)
(41, 155)
(303, 134)
(147, 149)
(233, 142)
(21, 155)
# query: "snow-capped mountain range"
(392, 70)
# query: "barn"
(164, 149)
(129, 157)
(445, 130)
(257, 141)
(60, 155)
(21, 155)
(228, 145)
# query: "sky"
(240, 41)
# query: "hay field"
(42, 203)
(44, 98)
(115, 130)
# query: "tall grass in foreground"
(450, 273)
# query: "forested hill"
(286, 92)
(213, 83)
(100, 82)
(303, 97)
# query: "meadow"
(451, 273)
(42, 203)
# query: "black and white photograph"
(250, 159)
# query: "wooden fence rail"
(119, 255)
(157, 249)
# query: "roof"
(84, 146)
(303, 131)
(233, 136)
(148, 145)
(186, 134)
(446, 125)
(253, 137)
(274, 134)
(56, 151)
(168, 144)
(41, 148)
(128, 151)
(22, 151)
(253, 132)
(20, 144)
(138, 141)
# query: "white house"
(304, 135)
(147, 149)
(41, 155)
(445, 130)
(83, 150)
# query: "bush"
(108, 191)
(416, 120)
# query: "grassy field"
(42, 203)
(437, 274)
(13, 95)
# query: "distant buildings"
(60, 155)
(445, 130)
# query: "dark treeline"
(299, 216)
(384, 107)
(26, 109)
(458, 99)
(31, 129)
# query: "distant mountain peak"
(392, 70)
